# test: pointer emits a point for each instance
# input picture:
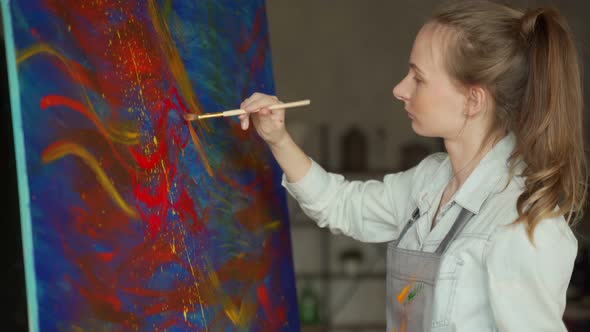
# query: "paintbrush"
(193, 117)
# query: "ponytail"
(549, 124)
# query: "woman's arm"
(270, 126)
(292, 160)
(370, 211)
(366, 211)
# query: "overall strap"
(458, 225)
(415, 216)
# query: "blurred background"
(346, 56)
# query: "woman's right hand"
(269, 124)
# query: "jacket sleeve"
(368, 211)
(528, 281)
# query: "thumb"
(244, 121)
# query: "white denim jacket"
(492, 277)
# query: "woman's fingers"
(248, 101)
(264, 111)
(258, 101)
(244, 121)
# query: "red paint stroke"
(255, 31)
(149, 162)
(186, 207)
(35, 33)
(144, 194)
(76, 72)
(255, 37)
(276, 316)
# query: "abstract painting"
(134, 219)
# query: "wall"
(345, 56)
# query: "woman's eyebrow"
(415, 68)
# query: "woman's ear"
(476, 101)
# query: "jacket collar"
(481, 182)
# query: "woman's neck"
(465, 153)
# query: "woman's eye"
(417, 80)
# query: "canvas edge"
(21, 169)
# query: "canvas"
(134, 219)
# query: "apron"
(411, 279)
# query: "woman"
(479, 237)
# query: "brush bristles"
(190, 117)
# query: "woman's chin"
(420, 131)
(416, 128)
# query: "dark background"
(13, 278)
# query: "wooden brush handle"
(272, 107)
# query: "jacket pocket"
(445, 290)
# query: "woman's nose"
(399, 92)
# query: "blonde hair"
(528, 62)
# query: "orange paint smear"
(173, 58)
(199, 149)
(178, 71)
(403, 293)
(403, 326)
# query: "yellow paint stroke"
(123, 136)
(218, 198)
(165, 175)
(61, 149)
(196, 279)
(241, 317)
(75, 328)
(178, 71)
(137, 78)
(232, 315)
(244, 316)
(272, 226)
